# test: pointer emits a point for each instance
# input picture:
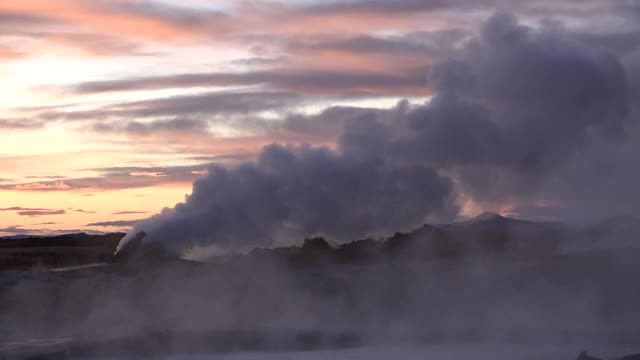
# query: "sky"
(111, 109)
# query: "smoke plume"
(512, 110)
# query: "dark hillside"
(57, 251)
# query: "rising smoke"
(513, 109)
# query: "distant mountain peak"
(487, 216)
(316, 243)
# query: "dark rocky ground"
(41, 253)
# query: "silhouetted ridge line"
(488, 234)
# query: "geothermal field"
(320, 179)
(484, 288)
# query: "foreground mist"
(410, 293)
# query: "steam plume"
(511, 109)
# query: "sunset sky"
(110, 109)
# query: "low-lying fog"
(551, 307)
(435, 352)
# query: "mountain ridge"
(488, 234)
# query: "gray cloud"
(117, 223)
(17, 229)
(129, 212)
(33, 212)
(599, 181)
(36, 213)
(548, 95)
(258, 61)
(51, 177)
(210, 103)
(117, 178)
(422, 44)
(305, 80)
(185, 110)
(628, 8)
(222, 158)
(82, 211)
(146, 128)
(543, 8)
(325, 126)
(618, 42)
(383, 6)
